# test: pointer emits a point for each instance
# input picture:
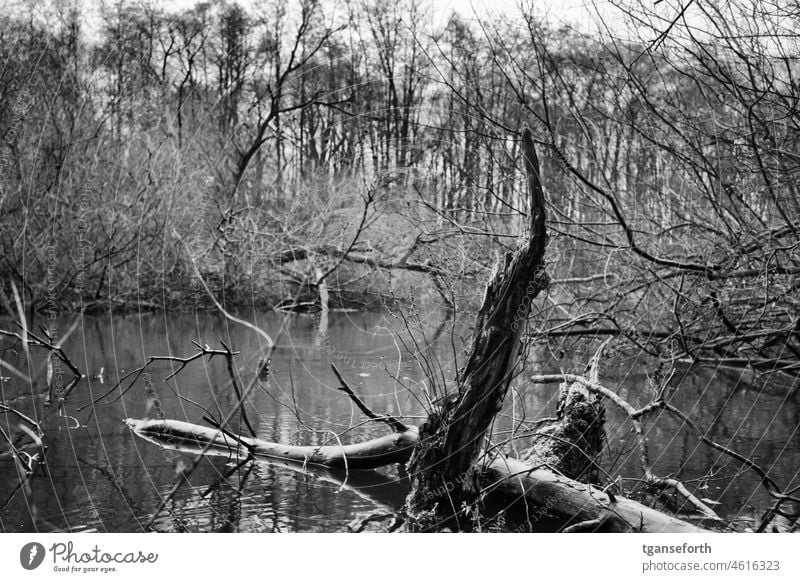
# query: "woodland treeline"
(281, 149)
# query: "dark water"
(100, 477)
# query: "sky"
(572, 12)
(581, 15)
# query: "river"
(100, 477)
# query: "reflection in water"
(100, 477)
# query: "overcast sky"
(581, 15)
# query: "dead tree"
(452, 437)
(447, 451)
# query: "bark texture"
(572, 445)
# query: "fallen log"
(577, 502)
(386, 492)
(571, 500)
(385, 450)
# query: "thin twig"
(389, 420)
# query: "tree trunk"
(452, 436)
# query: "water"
(100, 477)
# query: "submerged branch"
(571, 500)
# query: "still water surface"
(100, 477)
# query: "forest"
(585, 239)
